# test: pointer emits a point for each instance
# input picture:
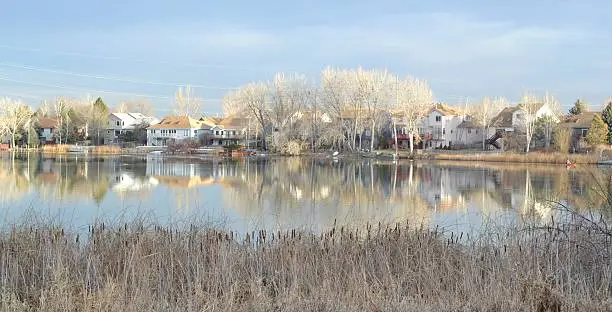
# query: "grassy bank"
(131, 268)
(533, 157)
(63, 149)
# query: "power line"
(117, 58)
(94, 76)
(83, 90)
(73, 89)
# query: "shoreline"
(475, 157)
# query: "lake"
(290, 193)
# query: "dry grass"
(63, 149)
(533, 157)
(132, 268)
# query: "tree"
(252, 100)
(14, 116)
(99, 119)
(527, 117)
(334, 100)
(186, 103)
(413, 100)
(607, 118)
(578, 108)
(61, 108)
(142, 106)
(598, 132)
(545, 129)
(484, 112)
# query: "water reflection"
(299, 192)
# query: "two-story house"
(46, 132)
(176, 128)
(119, 123)
(439, 128)
(231, 130)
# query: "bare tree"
(14, 115)
(186, 103)
(61, 108)
(375, 85)
(548, 122)
(413, 100)
(252, 100)
(288, 98)
(528, 116)
(484, 112)
(334, 101)
(142, 106)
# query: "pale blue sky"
(465, 49)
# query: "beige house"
(176, 128)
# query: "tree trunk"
(528, 144)
(411, 141)
(484, 136)
(395, 135)
(372, 136)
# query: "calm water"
(289, 193)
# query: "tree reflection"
(297, 192)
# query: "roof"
(234, 121)
(209, 121)
(467, 124)
(583, 120)
(47, 123)
(504, 118)
(445, 110)
(179, 122)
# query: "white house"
(440, 127)
(176, 128)
(119, 123)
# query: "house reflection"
(298, 192)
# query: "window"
(438, 118)
(118, 124)
(123, 123)
(117, 132)
(107, 131)
(217, 132)
(584, 132)
(451, 131)
(234, 132)
(469, 130)
(443, 130)
(195, 132)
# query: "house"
(440, 127)
(119, 123)
(176, 128)
(512, 120)
(47, 128)
(231, 130)
(579, 126)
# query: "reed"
(533, 157)
(378, 268)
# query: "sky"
(130, 50)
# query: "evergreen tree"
(598, 133)
(578, 108)
(607, 118)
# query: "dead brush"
(136, 267)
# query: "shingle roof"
(47, 123)
(504, 118)
(583, 120)
(234, 122)
(179, 122)
(445, 110)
